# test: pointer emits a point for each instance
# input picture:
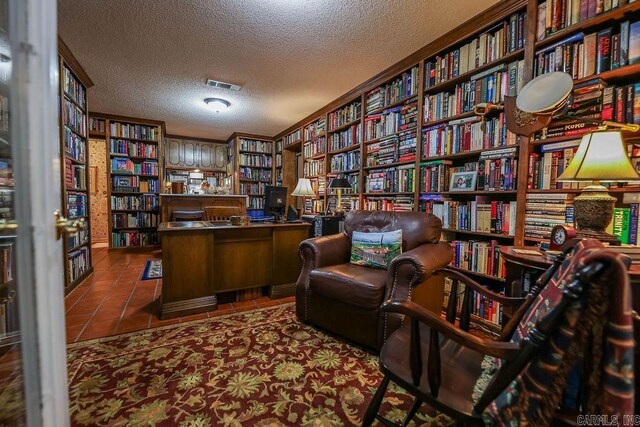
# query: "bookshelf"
(279, 144)
(134, 159)
(74, 153)
(251, 160)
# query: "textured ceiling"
(151, 58)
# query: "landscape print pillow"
(375, 249)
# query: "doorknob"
(65, 227)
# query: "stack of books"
(544, 211)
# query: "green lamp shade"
(601, 156)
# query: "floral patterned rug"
(256, 368)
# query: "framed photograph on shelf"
(463, 181)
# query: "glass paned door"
(12, 403)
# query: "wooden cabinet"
(187, 153)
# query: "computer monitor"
(275, 200)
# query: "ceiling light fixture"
(217, 104)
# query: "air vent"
(223, 85)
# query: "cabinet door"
(173, 152)
(220, 156)
(190, 154)
(206, 156)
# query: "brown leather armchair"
(345, 298)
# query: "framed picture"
(463, 181)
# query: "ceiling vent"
(223, 85)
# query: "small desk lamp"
(339, 184)
(601, 156)
(303, 189)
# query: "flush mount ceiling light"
(217, 104)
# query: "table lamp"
(339, 184)
(601, 156)
(303, 189)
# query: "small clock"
(561, 234)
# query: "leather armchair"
(345, 298)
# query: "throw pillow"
(375, 249)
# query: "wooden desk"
(197, 202)
(200, 259)
(519, 263)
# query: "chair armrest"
(456, 275)
(423, 260)
(503, 350)
(326, 250)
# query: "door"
(207, 156)
(220, 157)
(190, 150)
(173, 154)
(33, 373)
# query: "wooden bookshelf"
(74, 161)
(252, 160)
(134, 159)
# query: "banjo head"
(545, 94)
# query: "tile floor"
(114, 300)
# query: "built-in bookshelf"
(252, 160)
(279, 144)
(134, 163)
(74, 152)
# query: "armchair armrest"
(325, 250)
(503, 350)
(423, 260)
(467, 281)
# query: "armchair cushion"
(375, 250)
(358, 285)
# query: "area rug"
(256, 368)
(152, 270)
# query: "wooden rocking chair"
(440, 364)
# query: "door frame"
(37, 176)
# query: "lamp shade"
(601, 156)
(339, 183)
(303, 188)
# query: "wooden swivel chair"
(220, 213)
(440, 364)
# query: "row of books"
(77, 239)
(403, 87)
(73, 118)
(319, 185)
(315, 129)
(394, 180)
(545, 211)
(391, 121)
(97, 125)
(345, 161)
(484, 308)
(545, 167)
(126, 130)
(73, 88)
(344, 115)
(489, 86)
(141, 202)
(315, 147)
(255, 203)
(279, 160)
(314, 168)
(256, 146)
(346, 138)
(584, 55)
(464, 135)
(133, 184)
(78, 262)
(294, 136)
(397, 203)
(75, 147)
(75, 176)
(478, 256)
(315, 206)
(255, 174)
(481, 215)
(493, 44)
(399, 148)
(134, 220)
(256, 160)
(134, 149)
(120, 165)
(76, 205)
(122, 239)
(434, 176)
(252, 188)
(556, 15)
